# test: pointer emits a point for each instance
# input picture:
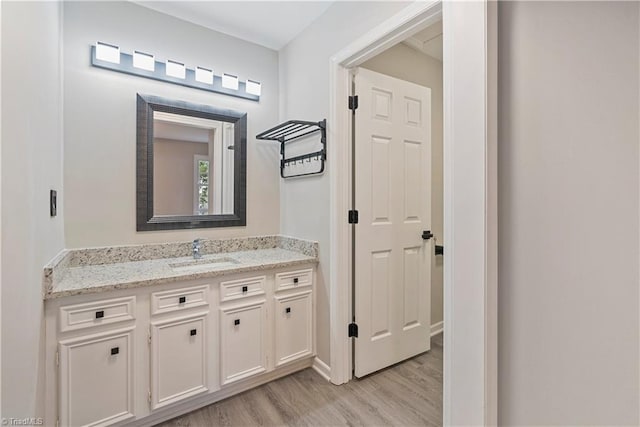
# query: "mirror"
(191, 165)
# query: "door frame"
(470, 213)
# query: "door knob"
(427, 234)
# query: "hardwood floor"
(406, 394)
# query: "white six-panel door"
(393, 197)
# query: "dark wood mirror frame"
(146, 221)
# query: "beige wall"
(304, 77)
(31, 166)
(173, 175)
(408, 64)
(568, 214)
(100, 120)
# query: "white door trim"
(470, 214)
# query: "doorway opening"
(397, 190)
(469, 165)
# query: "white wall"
(408, 64)
(568, 191)
(100, 119)
(31, 166)
(304, 77)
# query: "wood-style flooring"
(406, 394)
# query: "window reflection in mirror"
(193, 165)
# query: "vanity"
(135, 335)
(141, 334)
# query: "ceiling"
(272, 24)
(428, 41)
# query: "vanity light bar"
(108, 56)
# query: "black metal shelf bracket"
(293, 130)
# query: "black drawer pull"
(245, 289)
(295, 280)
(115, 350)
(236, 322)
(193, 332)
(287, 310)
(99, 314)
(182, 300)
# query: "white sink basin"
(202, 264)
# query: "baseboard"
(322, 368)
(436, 328)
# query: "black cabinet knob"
(193, 332)
(182, 300)
(245, 289)
(99, 314)
(115, 350)
(236, 322)
(287, 310)
(295, 280)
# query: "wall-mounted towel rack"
(294, 130)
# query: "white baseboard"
(436, 328)
(322, 368)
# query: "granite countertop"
(84, 271)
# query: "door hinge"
(353, 216)
(149, 397)
(353, 102)
(149, 336)
(353, 330)
(57, 358)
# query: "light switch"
(53, 203)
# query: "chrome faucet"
(196, 249)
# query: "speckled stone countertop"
(83, 271)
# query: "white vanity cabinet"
(143, 355)
(243, 336)
(96, 364)
(178, 344)
(293, 315)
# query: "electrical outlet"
(53, 203)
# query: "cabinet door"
(178, 359)
(243, 341)
(96, 379)
(293, 327)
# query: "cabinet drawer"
(243, 341)
(294, 327)
(92, 314)
(96, 379)
(179, 299)
(236, 289)
(294, 279)
(178, 359)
